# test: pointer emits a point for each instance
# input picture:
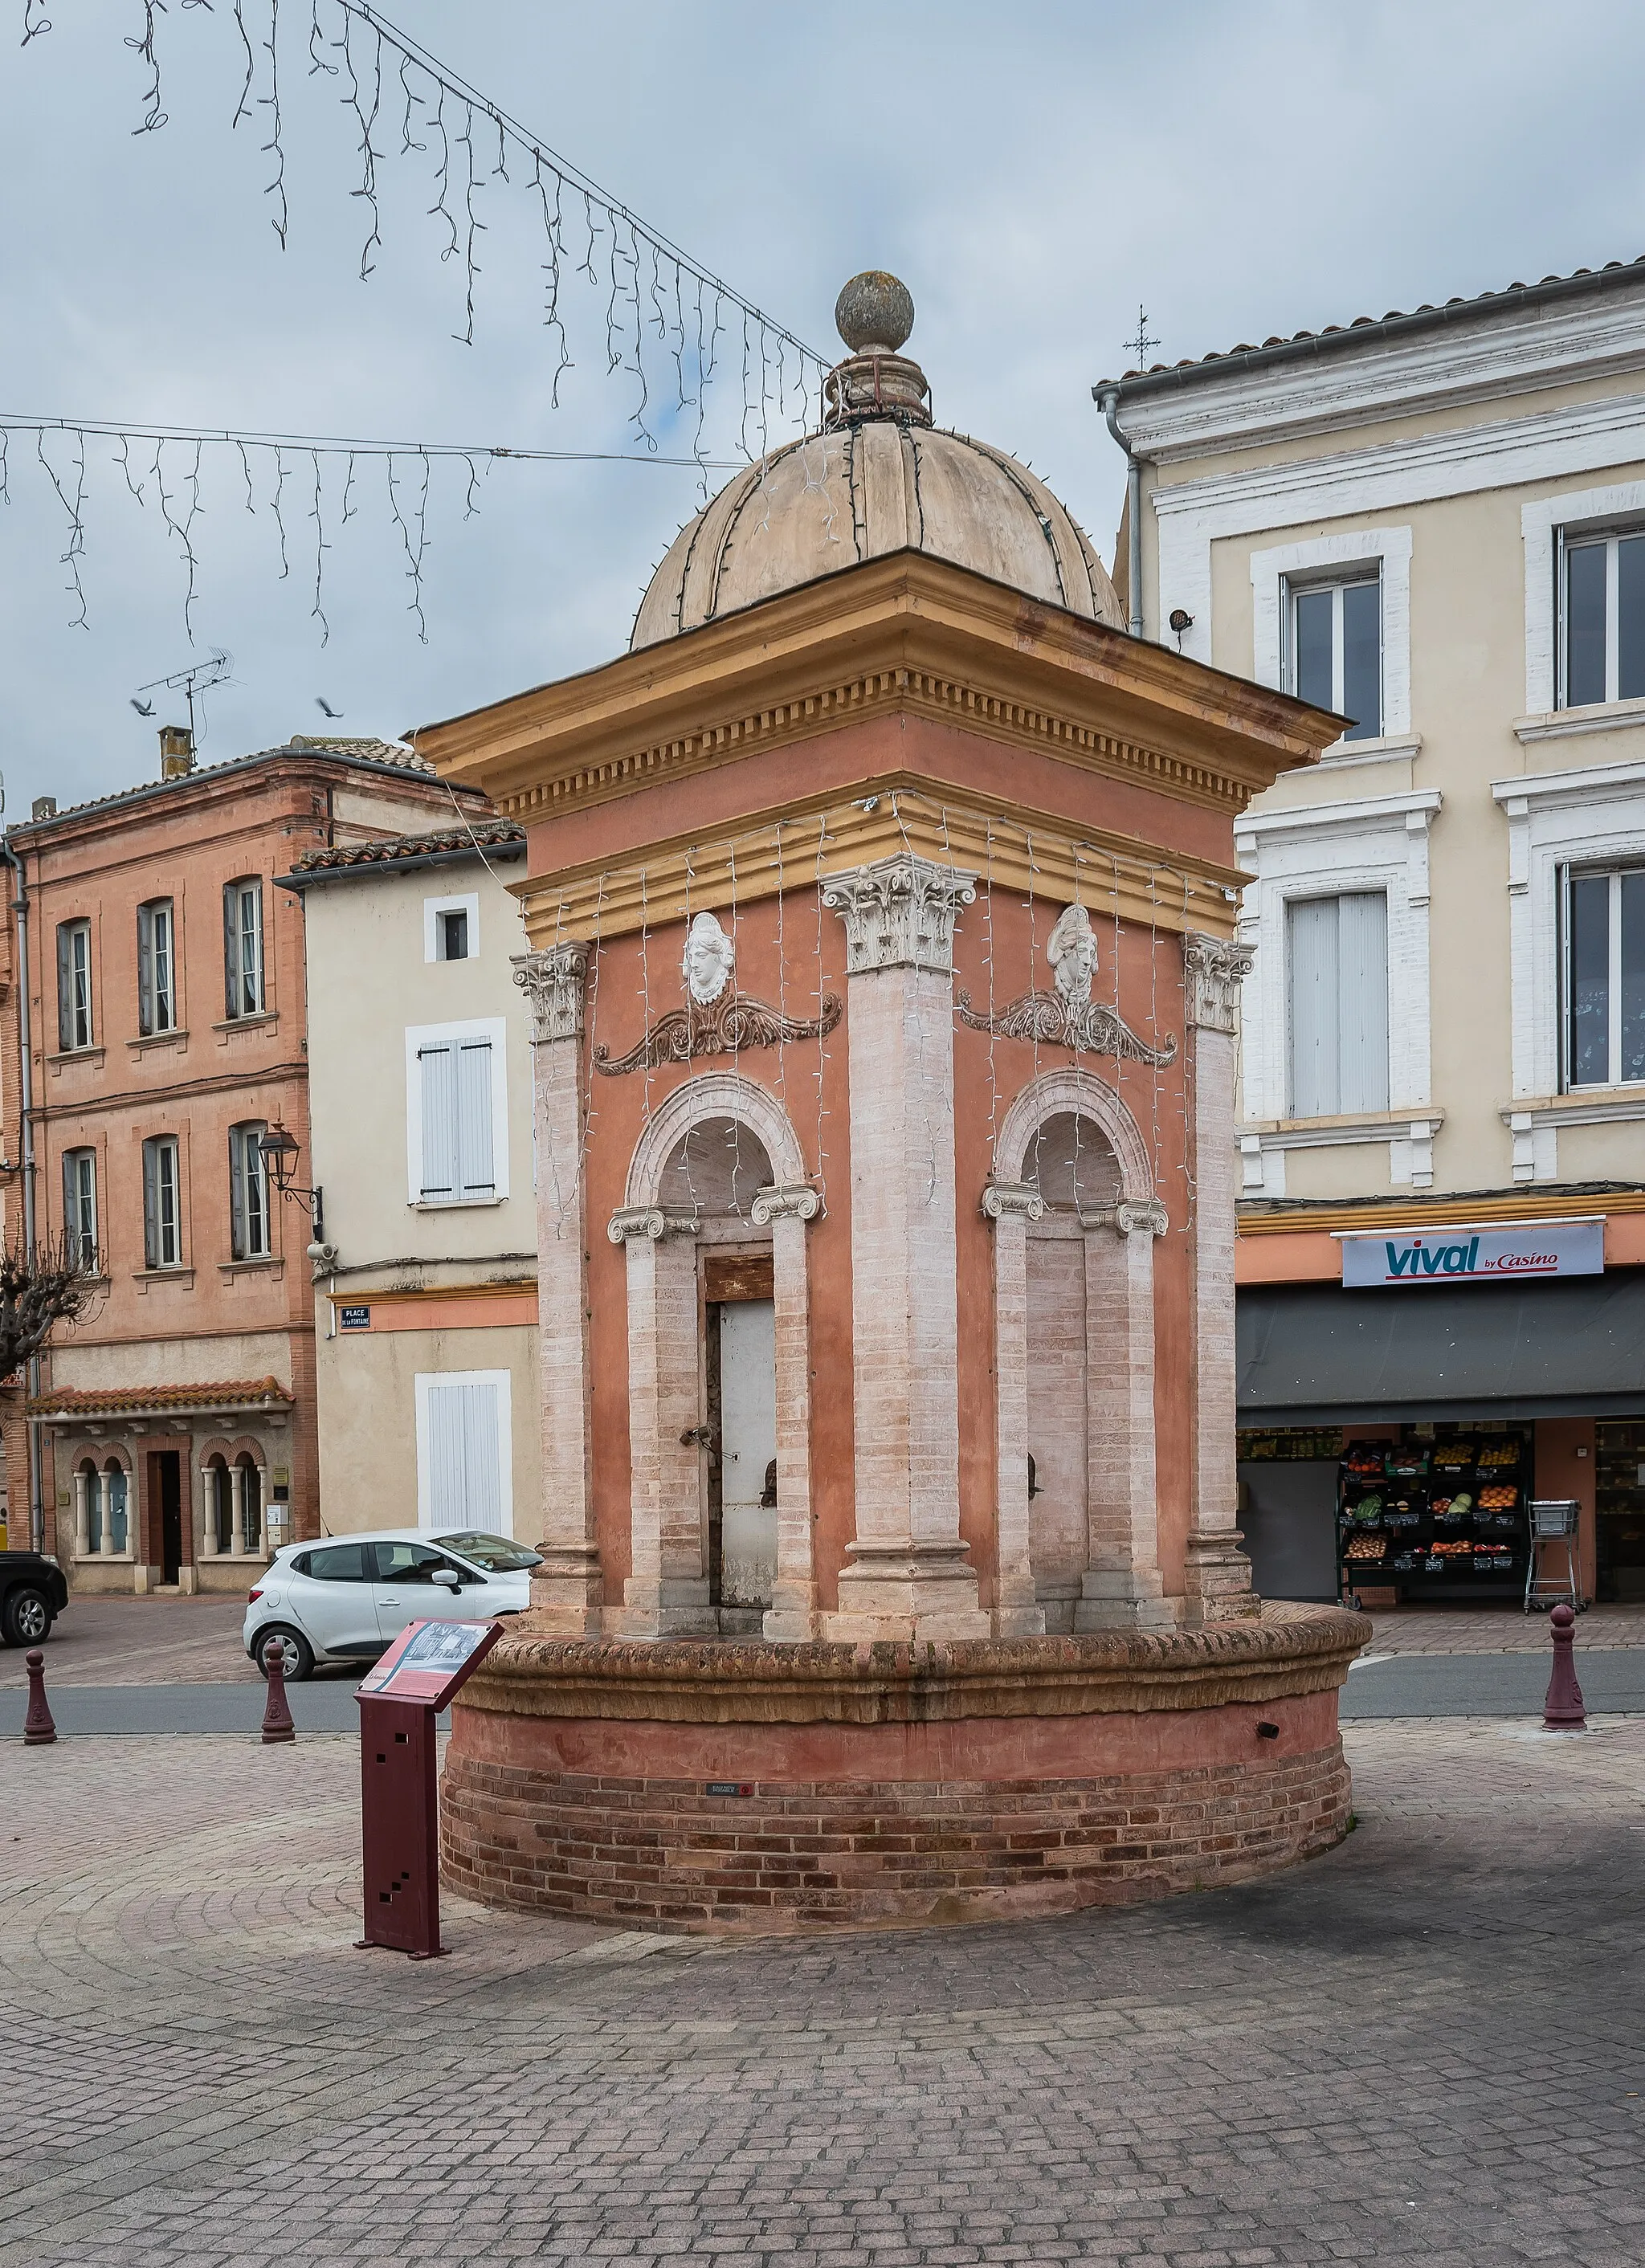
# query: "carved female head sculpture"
(710, 957)
(1071, 949)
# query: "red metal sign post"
(400, 1699)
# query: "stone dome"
(878, 477)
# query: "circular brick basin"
(717, 1785)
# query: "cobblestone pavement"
(1496, 1630)
(142, 1642)
(1426, 2047)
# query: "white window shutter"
(436, 1075)
(1313, 952)
(1362, 997)
(476, 1171)
(464, 1450)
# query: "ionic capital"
(1013, 1201)
(899, 913)
(1215, 967)
(1144, 1217)
(649, 1222)
(553, 981)
(787, 1201)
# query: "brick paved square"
(1425, 2048)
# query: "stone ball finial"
(874, 314)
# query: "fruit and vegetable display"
(1450, 1509)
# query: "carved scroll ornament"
(718, 1027)
(1054, 1021)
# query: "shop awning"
(1313, 1354)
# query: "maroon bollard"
(38, 1729)
(277, 1715)
(1563, 1711)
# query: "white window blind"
(458, 1149)
(465, 1455)
(1337, 957)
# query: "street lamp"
(280, 1153)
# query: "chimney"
(177, 751)
(45, 807)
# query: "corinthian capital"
(553, 982)
(899, 913)
(1215, 968)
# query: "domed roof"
(878, 477)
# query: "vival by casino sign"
(1491, 1252)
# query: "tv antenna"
(195, 680)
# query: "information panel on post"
(428, 1661)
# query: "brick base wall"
(664, 1854)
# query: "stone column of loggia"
(908, 1574)
(567, 1588)
(1121, 1587)
(1217, 1574)
(666, 1593)
(786, 1209)
(1010, 1206)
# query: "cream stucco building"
(1434, 523)
(425, 1257)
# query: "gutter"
(19, 907)
(1106, 397)
(1345, 338)
(499, 853)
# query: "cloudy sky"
(1032, 172)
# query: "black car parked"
(34, 1592)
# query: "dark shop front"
(1398, 1427)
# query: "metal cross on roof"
(1139, 345)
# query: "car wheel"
(297, 1656)
(28, 1617)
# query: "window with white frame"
(463, 1429)
(157, 966)
(1333, 633)
(1337, 970)
(80, 1203)
(242, 947)
(1602, 616)
(74, 985)
(248, 1192)
(162, 1203)
(456, 1113)
(1603, 960)
(451, 928)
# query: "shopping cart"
(1552, 1522)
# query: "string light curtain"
(662, 319)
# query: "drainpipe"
(19, 907)
(1107, 399)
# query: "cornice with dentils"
(924, 635)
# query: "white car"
(348, 1597)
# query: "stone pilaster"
(666, 1594)
(1010, 1206)
(1218, 1573)
(909, 1575)
(1122, 1587)
(787, 1209)
(568, 1587)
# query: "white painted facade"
(1453, 459)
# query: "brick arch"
(713, 1095)
(668, 1592)
(1072, 1090)
(216, 1447)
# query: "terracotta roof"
(379, 756)
(1305, 343)
(485, 833)
(118, 1401)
